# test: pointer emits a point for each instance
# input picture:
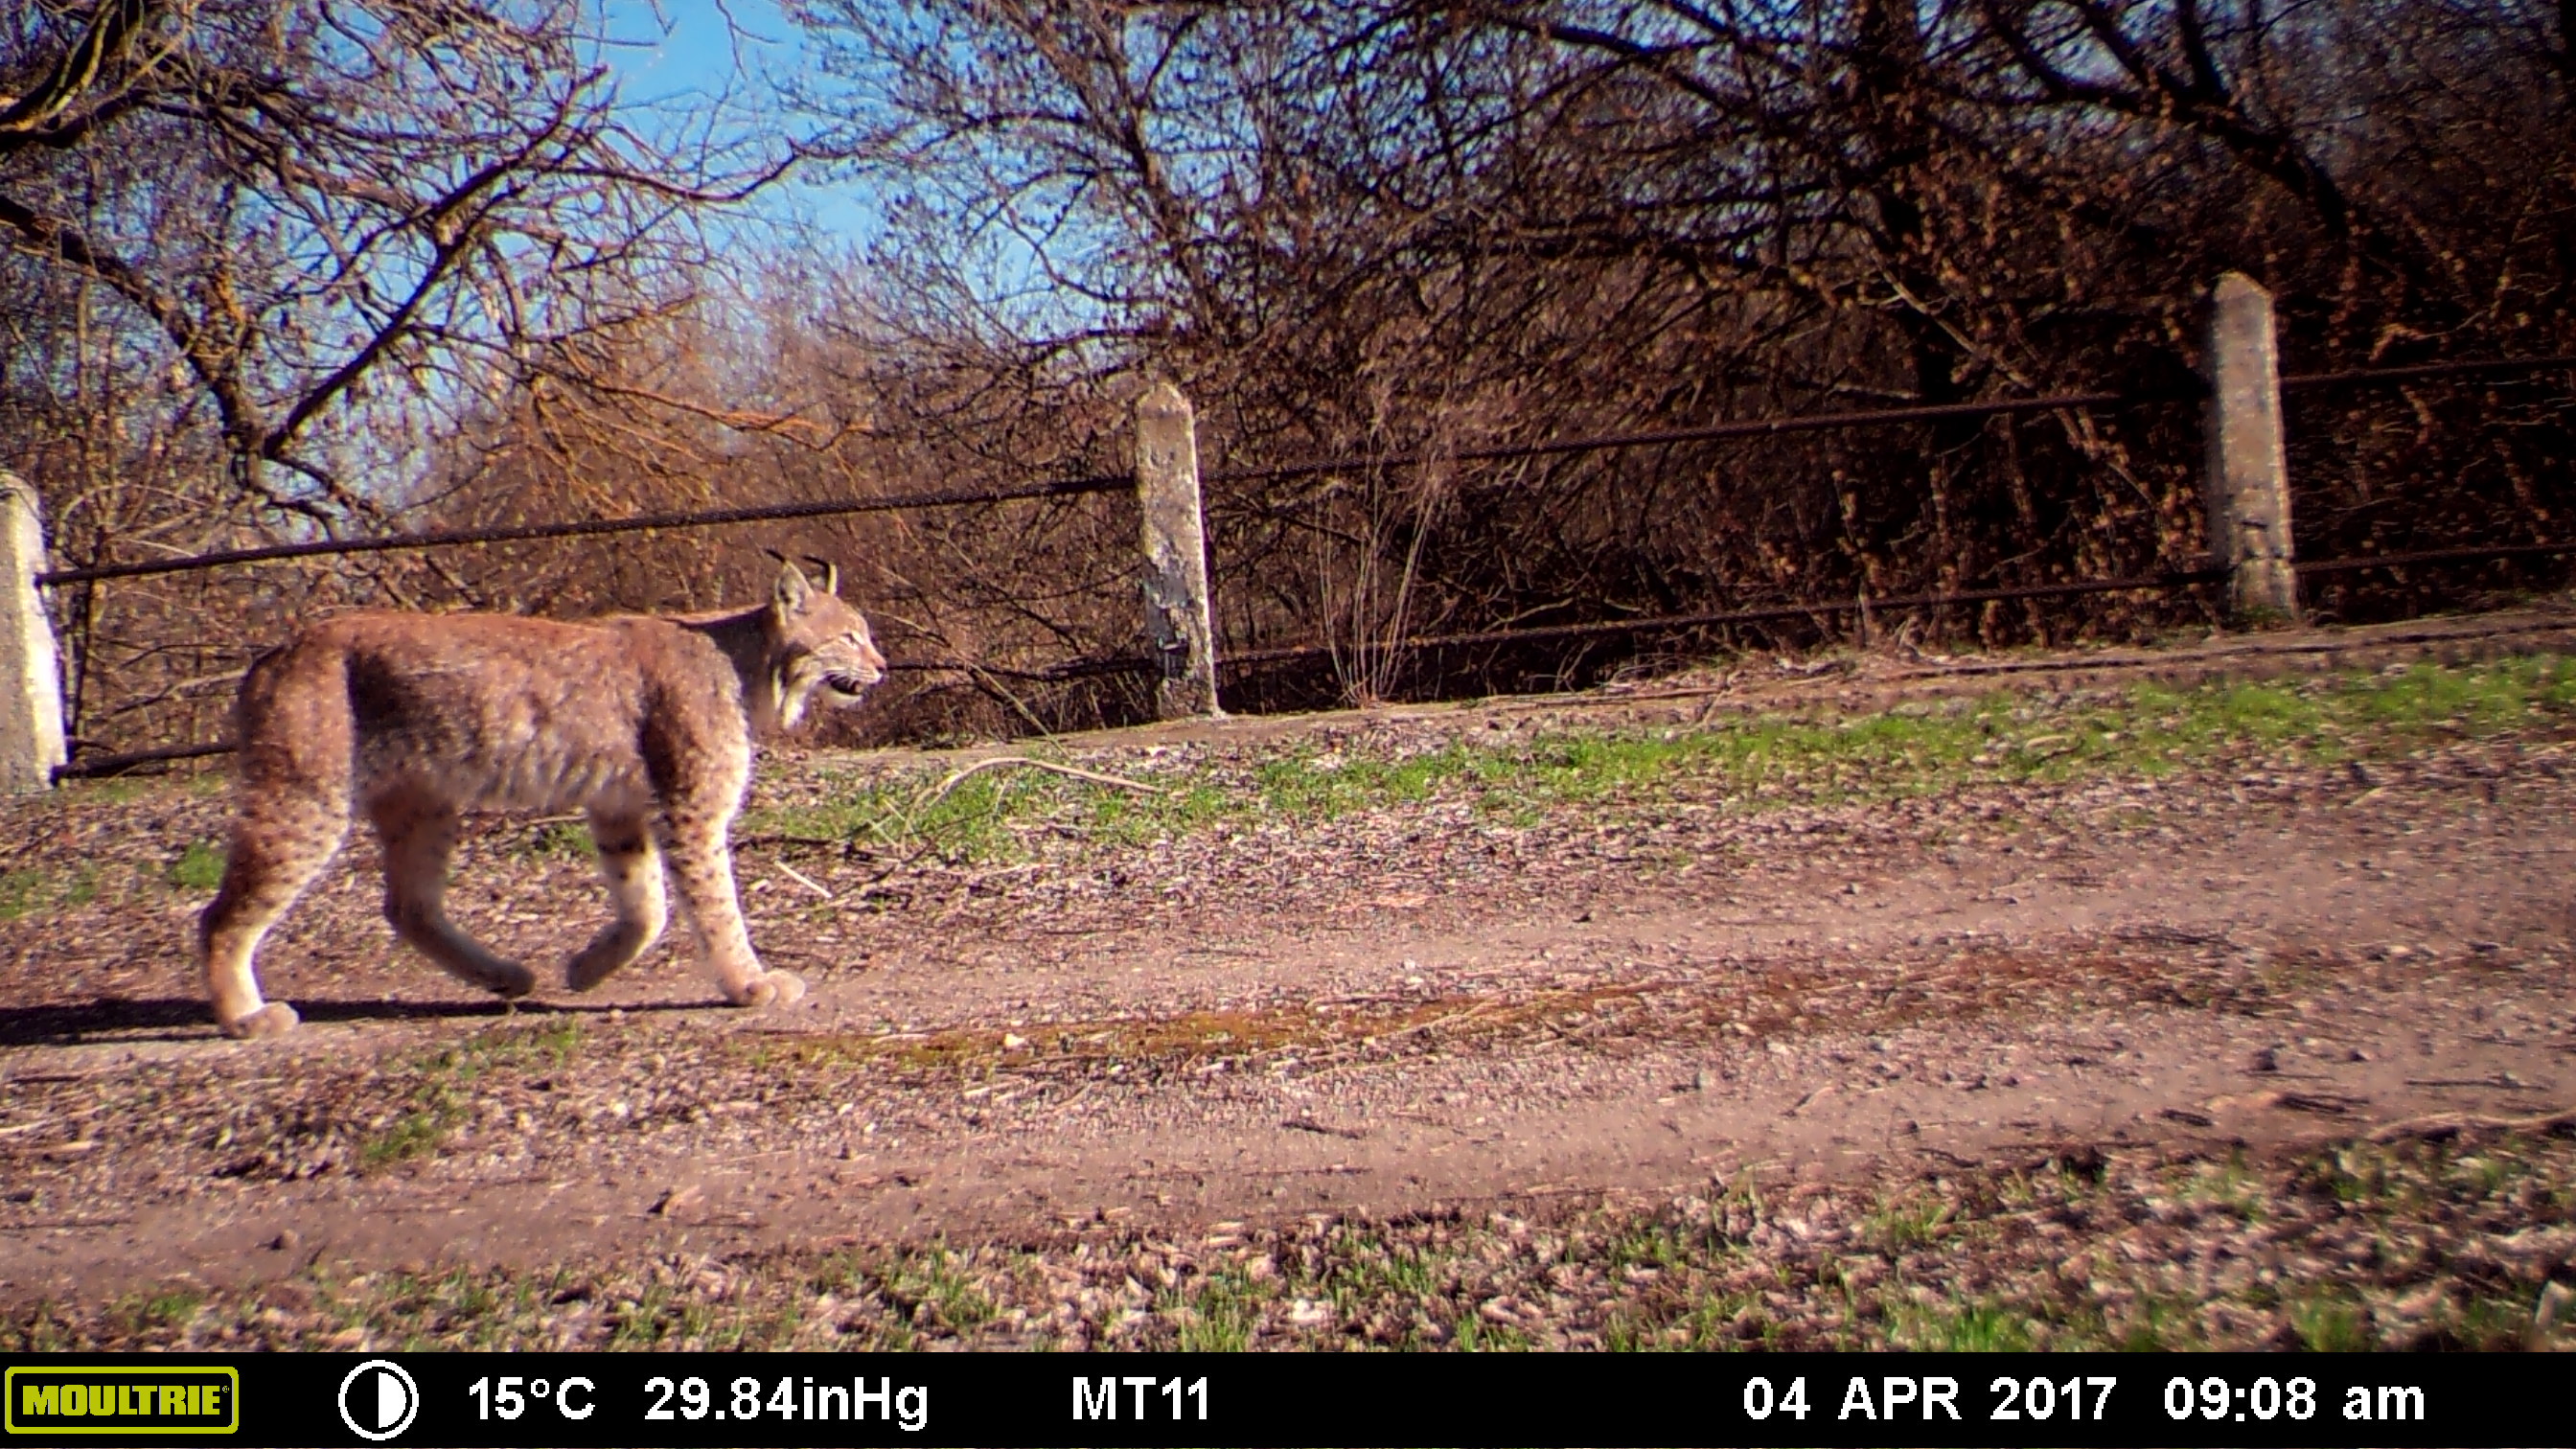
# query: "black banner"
(567, 1399)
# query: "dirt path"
(1399, 1008)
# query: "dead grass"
(2337, 1246)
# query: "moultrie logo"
(84, 1399)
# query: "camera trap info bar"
(581, 1399)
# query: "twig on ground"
(811, 842)
(2441, 1126)
(798, 876)
(958, 777)
(1323, 1129)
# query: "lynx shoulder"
(643, 723)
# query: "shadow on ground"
(186, 1019)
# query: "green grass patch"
(1914, 748)
(416, 1132)
(1975, 1328)
(1218, 1315)
(1910, 1222)
(2331, 1322)
(441, 1099)
(2155, 1324)
(22, 891)
(164, 1308)
(935, 1289)
(2228, 1186)
(561, 840)
(1472, 1334)
(199, 868)
(38, 888)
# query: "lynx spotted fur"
(644, 723)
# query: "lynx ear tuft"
(831, 574)
(793, 592)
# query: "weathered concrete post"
(31, 675)
(1177, 616)
(2248, 479)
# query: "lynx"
(644, 723)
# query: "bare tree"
(258, 259)
(1396, 227)
(1387, 231)
(312, 208)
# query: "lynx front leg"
(418, 839)
(634, 871)
(279, 846)
(704, 867)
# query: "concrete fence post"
(1177, 616)
(31, 675)
(2248, 479)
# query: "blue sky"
(676, 49)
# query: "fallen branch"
(2441, 1126)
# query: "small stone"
(286, 1241)
(2554, 1299)
(1012, 1042)
(2265, 1060)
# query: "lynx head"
(817, 644)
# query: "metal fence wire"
(1256, 658)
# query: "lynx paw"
(508, 980)
(275, 1019)
(588, 969)
(774, 988)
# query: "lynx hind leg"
(633, 868)
(418, 839)
(703, 868)
(279, 845)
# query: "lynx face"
(823, 646)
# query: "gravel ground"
(1795, 1011)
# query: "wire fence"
(1249, 659)
(580, 528)
(1110, 483)
(1858, 603)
